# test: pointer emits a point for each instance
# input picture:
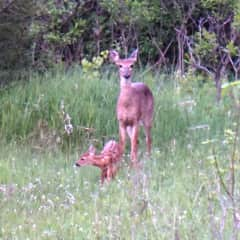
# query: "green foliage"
(49, 32)
(15, 40)
(214, 48)
(206, 44)
(75, 30)
(219, 8)
(59, 14)
(92, 68)
(236, 20)
(133, 12)
(232, 49)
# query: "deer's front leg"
(109, 173)
(122, 136)
(134, 144)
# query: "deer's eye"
(120, 66)
(131, 66)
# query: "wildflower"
(70, 198)
(237, 220)
(68, 127)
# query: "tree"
(15, 39)
(214, 48)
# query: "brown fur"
(107, 160)
(134, 106)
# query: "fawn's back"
(110, 154)
(113, 150)
(107, 160)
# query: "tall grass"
(177, 193)
(39, 99)
(91, 104)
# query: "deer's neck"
(125, 82)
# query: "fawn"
(134, 106)
(107, 160)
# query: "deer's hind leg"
(148, 135)
(103, 175)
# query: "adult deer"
(134, 106)
(108, 160)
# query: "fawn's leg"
(103, 175)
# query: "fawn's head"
(86, 158)
(125, 66)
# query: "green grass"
(176, 194)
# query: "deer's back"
(135, 103)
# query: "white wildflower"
(68, 127)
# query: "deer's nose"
(77, 164)
(126, 76)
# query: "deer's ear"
(91, 150)
(113, 55)
(134, 55)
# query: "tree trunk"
(181, 33)
(218, 82)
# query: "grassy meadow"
(187, 189)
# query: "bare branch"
(221, 178)
(235, 65)
(161, 53)
(195, 60)
(159, 61)
(8, 5)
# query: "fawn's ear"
(134, 55)
(91, 150)
(113, 55)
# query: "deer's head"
(86, 158)
(125, 65)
